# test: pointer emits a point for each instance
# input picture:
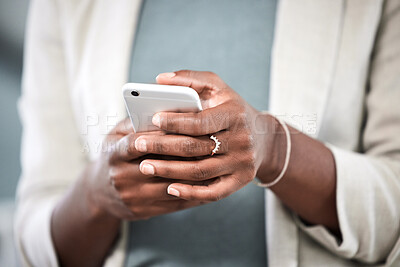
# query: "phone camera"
(135, 93)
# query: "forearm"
(309, 185)
(82, 234)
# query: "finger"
(125, 149)
(208, 121)
(133, 185)
(198, 80)
(123, 127)
(197, 170)
(179, 145)
(130, 193)
(215, 191)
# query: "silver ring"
(217, 144)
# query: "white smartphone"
(142, 101)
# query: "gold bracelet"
(288, 152)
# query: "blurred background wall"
(12, 27)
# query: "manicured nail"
(173, 191)
(140, 145)
(166, 75)
(156, 120)
(147, 168)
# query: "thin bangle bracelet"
(288, 152)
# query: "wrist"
(274, 150)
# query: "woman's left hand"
(244, 134)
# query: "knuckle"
(238, 121)
(250, 164)
(157, 147)
(213, 76)
(241, 116)
(249, 160)
(246, 141)
(122, 126)
(214, 81)
(130, 146)
(190, 73)
(185, 72)
(198, 123)
(166, 171)
(199, 173)
(190, 195)
(189, 147)
(114, 176)
(130, 149)
(169, 122)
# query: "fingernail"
(173, 191)
(140, 145)
(147, 168)
(166, 75)
(156, 120)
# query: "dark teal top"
(232, 38)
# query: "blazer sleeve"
(368, 183)
(51, 148)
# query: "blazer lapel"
(306, 43)
(305, 49)
(104, 69)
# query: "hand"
(241, 129)
(120, 189)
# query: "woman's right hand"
(86, 221)
(116, 186)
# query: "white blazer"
(335, 75)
